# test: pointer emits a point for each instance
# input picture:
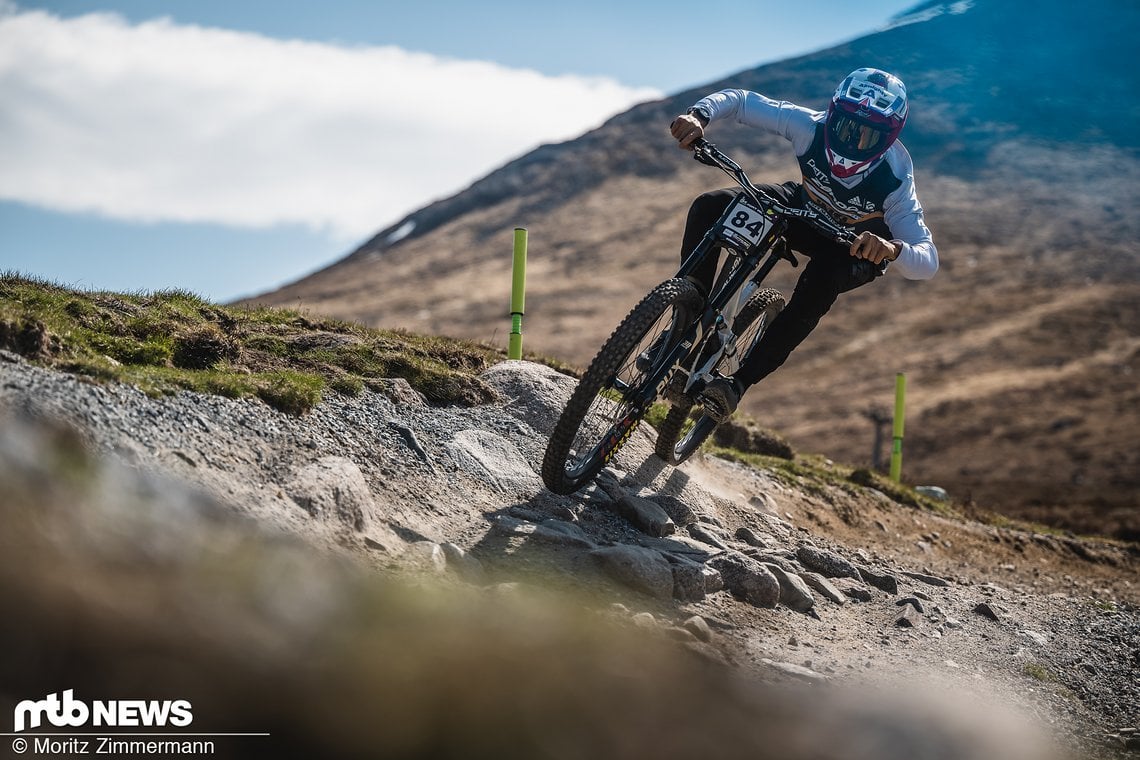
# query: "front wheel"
(679, 436)
(609, 401)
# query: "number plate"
(746, 221)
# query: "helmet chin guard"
(866, 115)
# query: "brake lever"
(702, 154)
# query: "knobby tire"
(566, 467)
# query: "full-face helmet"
(865, 117)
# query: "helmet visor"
(854, 138)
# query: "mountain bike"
(673, 343)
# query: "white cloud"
(165, 122)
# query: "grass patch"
(820, 476)
(1038, 672)
(174, 340)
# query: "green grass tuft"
(174, 340)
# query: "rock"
(505, 525)
(610, 480)
(426, 556)
(526, 514)
(912, 602)
(697, 626)
(764, 502)
(372, 543)
(827, 564)
(707, 534)
(679, 512)
(645, 515)
(695, 573)
(1039, 639)
(562, 532)
(689, 580)
(933, 492)
(708, 519)
(752, 538)
(535, 393)
(799, 671)
(412, 440)
(775, 525)
(549, 531)
(854, 589)
(644, 620)
(680, 634)
(747, 579)
(680, 544)
(639, 568)
(494, 460)
(714, 581)
(930, 580)
(794, 592)
(772, 559)
(909, 617)
(333, 488)
(463, 564)
(883, 582)
(986, 611)
(824, 587)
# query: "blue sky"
(228, 147)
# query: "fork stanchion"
(900, 414)
(518, 294)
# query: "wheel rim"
(694, 437)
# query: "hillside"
(1021, 354)
(374, 573)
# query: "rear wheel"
(683, 431)
(605, 408)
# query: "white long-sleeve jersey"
(881, 199)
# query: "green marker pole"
(518, 294)
(900, 413)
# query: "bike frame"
(747, 264)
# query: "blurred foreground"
(121, 585)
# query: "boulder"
(535, 393)
(794, 592)
(826, 563)
(747, 579)
(641, 569)
(645, 515)
(332, 489)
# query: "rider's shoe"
(720, 398)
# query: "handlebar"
(708, 154)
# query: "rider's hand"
(873, 248)
(686, 128)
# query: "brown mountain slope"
(1021, 354)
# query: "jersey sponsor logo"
(843, 212)
(822, 185)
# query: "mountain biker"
(855, 170)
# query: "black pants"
(830, 271)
